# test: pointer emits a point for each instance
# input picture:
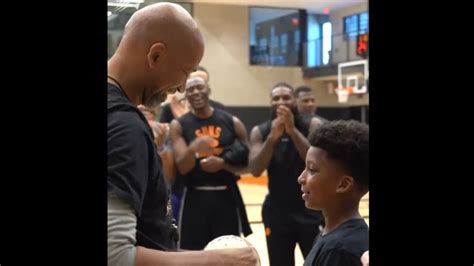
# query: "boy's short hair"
(346, 142)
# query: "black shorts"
(286, 226)
(206, 215)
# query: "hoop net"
(343, 94)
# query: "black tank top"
(285, 166)
(220, 126)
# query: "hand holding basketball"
(238, 247)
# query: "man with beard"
(280, 145)
(210, 146)
(151, 61)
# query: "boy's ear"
(345, 183)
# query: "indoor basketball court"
(265, 59)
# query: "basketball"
(229, 241)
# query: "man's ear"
(156, 53)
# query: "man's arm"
(122, 249)
(178, 107)
(261, 152)
(301, 142)
(233, 257)
(121, 232)
(241, 133)
(315, 123)
(213, 164)
(184, 155)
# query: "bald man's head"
(158, 22)
(162, 45)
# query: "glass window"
(351, 26)
(356, 24)
(327, 42)
(275, 36)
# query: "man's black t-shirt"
(134, 171)
(220, 126)
(342, 247)
(166, 116)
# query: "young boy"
(334, 180)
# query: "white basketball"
(227, 241)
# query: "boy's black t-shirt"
(342, 247)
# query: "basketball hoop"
(343, 94)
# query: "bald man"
(161, 45)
